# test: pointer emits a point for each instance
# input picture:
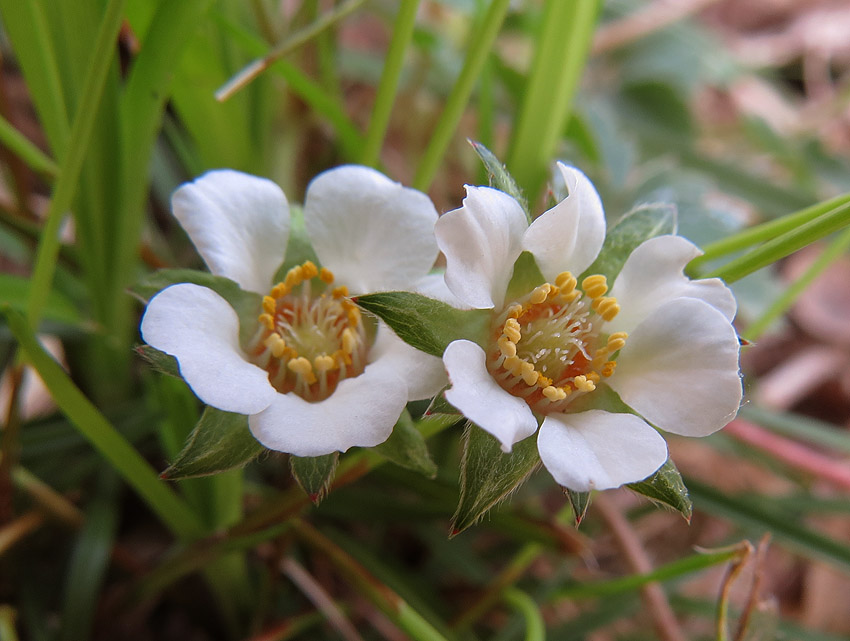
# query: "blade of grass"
(21, 146)
(172, 510)
(763, 232)
(483, 35)
(562, 48)
(72, 163)
(388, 87)
(835, 250)
(783, 245)
(535, 628)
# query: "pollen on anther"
(608, 368)
(309, 270)
(302, 367)
(583, 384)
(540, 294)
(554, 393)
(349, 340)
(512, 330)
(294, 276)
(595, 286)
(529, 374)
(326, 275)
(280, 290)
(507, 347)
(269, 304)
(276, 344)
(566, 282)
(324, 363)
(616, 341)
(266, 320)
(340, 292)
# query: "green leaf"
(221, 441)
(500, 177)
(579, 501)
(314, 473)
(426, 324)
(246, 304)
(160, 361)
(640, 224)
(15, 291)
(667, 487)
(488, 475)
(406, 447)
(526, 276)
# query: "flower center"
(549, 347)
(308, 342)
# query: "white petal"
(653, 275)
(679, 369)
(481, 241)
(597, 450)
(239, 224)
(434, 286)
(424, 374)
(361, 412)
(200, 329)
(475, 393)
(569, 236)
(372, 232)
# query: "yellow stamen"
(326, 275)
(309, 270)
(280, 290)
(302, 367)
(340, 292)
(554, 393)
(267, 321)
(606, 307)
(529, 374)
(513, 365)
(583, 385)
(593, 377)
(324, 363)
(595, 286)
(514, 311)
(566, 282)
(616, 341)
(269, 304)
(608, 368)
(349, 340)
(540, 294)
(507, 347)
(294, 276)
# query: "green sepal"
(579, 502)
(526, 277)
(247, 305)
(221, 441)
(488, 475)
(158, 360)
(314, 474)
(298, 248)
(428, 325)
(639, 225)
(406, 447)
(500, 177)
(666, 487)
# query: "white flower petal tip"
(679, 369)
(654, 274)
(239, 224)
(569, 236)
(479, 397)
(374, 233)
(200, 329)
(424, 374)
(598, 450)
(481, 241)
(361, 412)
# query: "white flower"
(663, 343)
(316, 377)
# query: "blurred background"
(736, 111)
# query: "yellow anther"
(608, 368)
(324, 363)
(326, 275)
(571, 296)
(514, 311)
(593, 377)
(269, 304)
(539, 294)
(309, 270)
(294, 276)
(616, 341)
(266, 320)
(513, 364)
(302, 367)
(566, 282)
(507, 347)
(529, 374)
(584, 385)
(606, 307)
(544, 381)
(554, 290)
(595, 286)
(512, 330)
(276, 344)
(611, 312)
(353, 314)
(349, 340)
(280, 290)
(554, 393)
(340, 292)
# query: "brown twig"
(755, 589)
(725, 589)
(653, 595)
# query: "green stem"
(483, 36)
(21, 146)
(535, 628)
(562, 49)
(763, 232)
(72, 163)
(783, 245)
(838, 247)
(172, 510)
(388, 87)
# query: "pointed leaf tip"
(314, 474)
(667, 488)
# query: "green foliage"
(428, 325)
(314, 474)
(406, 447)
(221, 441)
(159, 361)
(499, 176)
(488, 475)
(579, 502)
